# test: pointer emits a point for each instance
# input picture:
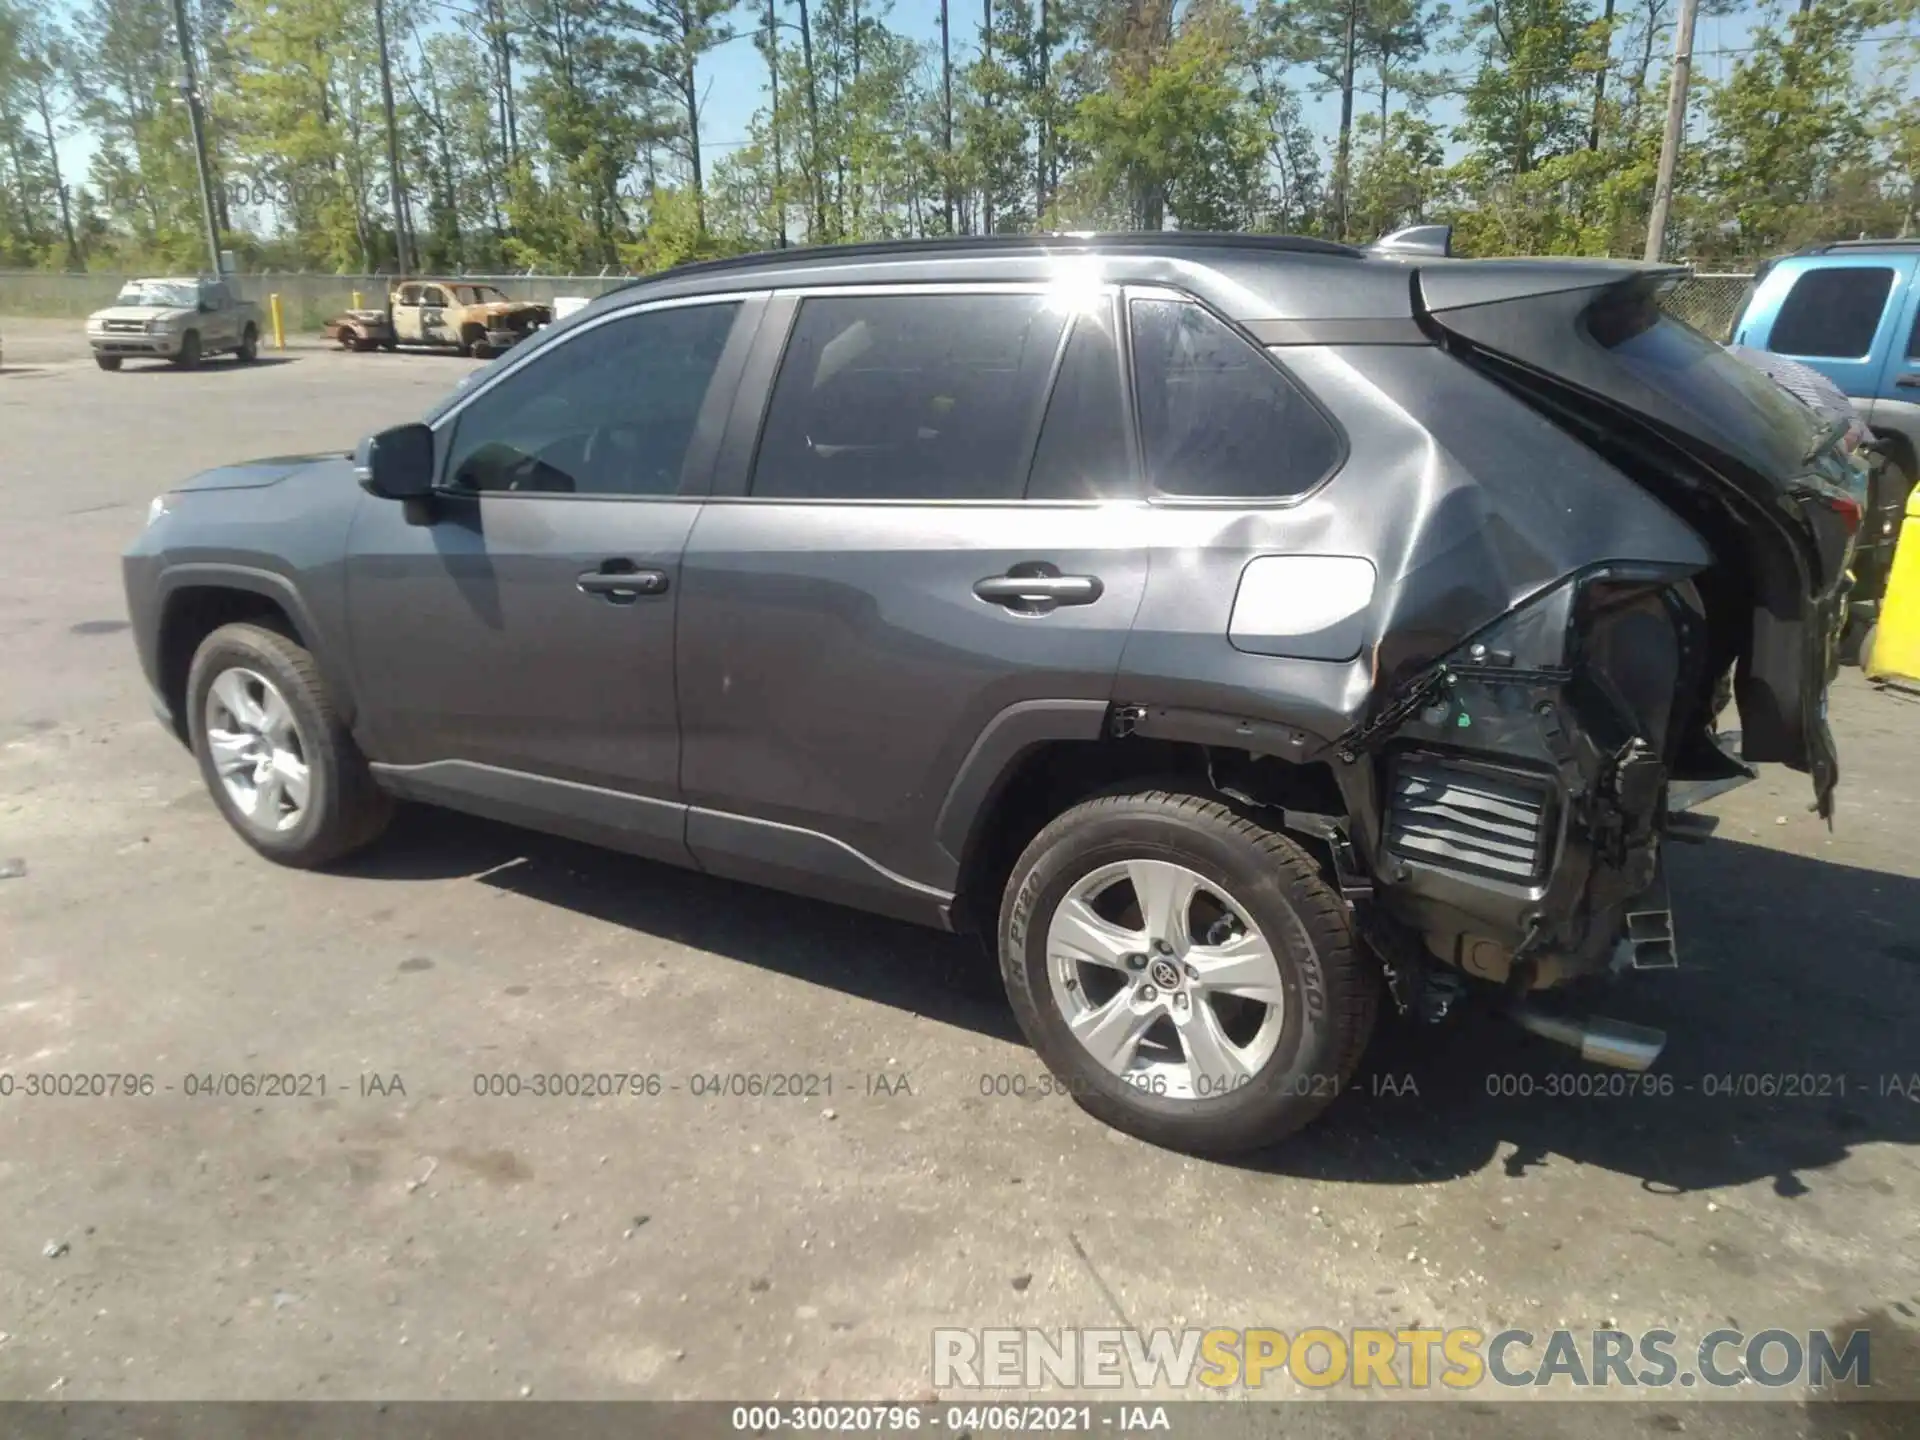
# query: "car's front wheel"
(107, 362)
(275, 754)
(189, 356)
(249, 350)
(1186, 972)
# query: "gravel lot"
(439, 1244)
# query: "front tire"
(275, 755)
(108, 362)
(249, 350)
(1185, 971)
(189, 356)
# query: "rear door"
(892, 558)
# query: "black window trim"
(1343, 447)
(741, 452)
(1136, 491)
(697, 471)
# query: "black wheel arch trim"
(269, 585)
(990, 761)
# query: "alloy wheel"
(258, 751)
(1164, 980)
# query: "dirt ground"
(404, 1237)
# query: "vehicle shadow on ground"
(1792, 1019)
(1792, 1022)
(211, 365)
(941, 977)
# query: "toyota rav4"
(1238, 632)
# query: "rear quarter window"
(1832, 312)
(1218, 419)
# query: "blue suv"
(1848, 310)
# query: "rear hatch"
(1756, 472)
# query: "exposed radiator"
(1468, 821)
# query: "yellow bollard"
(1894, 645)
(279, 328)
(356, 305)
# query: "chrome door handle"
(622, 586)
(1037, 589)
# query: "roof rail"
(1829, 246)
(975, 244)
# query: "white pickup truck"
(183, 320)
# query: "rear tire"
(1301, 1047)
(336, 808)
(108, 362)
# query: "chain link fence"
(1707, 302)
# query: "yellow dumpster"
(1892, 648)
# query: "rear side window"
(1082, 453)
(908, 397)
(1217, 417)
(1832, 312)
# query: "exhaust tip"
(1604, 1041)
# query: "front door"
(513, 645)
(900, 568)
(434, 304)
(406, 314)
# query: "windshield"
(169, 293)
(1733, 399)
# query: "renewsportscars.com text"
(1461, 1358)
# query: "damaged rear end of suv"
(1577, 570)
(1515, 792)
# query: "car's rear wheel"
(249, 350)
(189, 355)
(277, 758)
(108, 362)
(1185, 971)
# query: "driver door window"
(610, 411)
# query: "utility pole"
(1676, 125)
(190, 90)
(400, 246)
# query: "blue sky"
(733, 77)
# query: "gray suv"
(1239, 631)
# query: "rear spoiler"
(1488, 282)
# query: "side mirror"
(205, 307)
(396, 464)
